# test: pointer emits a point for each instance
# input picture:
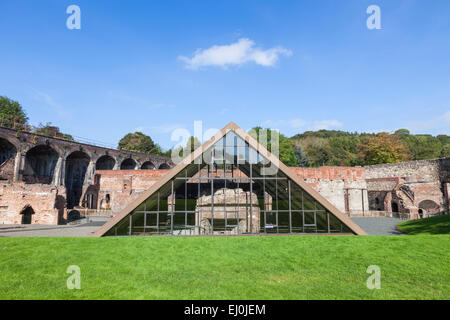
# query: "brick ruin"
(409, 190)
(44, 180)
(417, 189)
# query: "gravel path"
(379, 226)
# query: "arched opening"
(394, 207)
(90, 198)
(106, 202)
(105, 163)
(420, 213)
(128, 164)
(7, 151)
(73, 216)
(27, 215)
(428, 208)
(148, 165)
(40, 163)
(164, 166)
(76, 168)
(7, 154)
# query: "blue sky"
(290, 65)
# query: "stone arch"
(90, 197)
(428, 208)
(40, 163)
(7, 150)
(164, 166)
(76, 167)
(395, 207)
(148, 165)
(105, 203)
(27, 215)
(73, 215)
(7, 158)
(105, 162)
(128, 164)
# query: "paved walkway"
(35, 230)
(379, 226)
(373, 226)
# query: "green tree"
(445, 151)
(383, 148)
(331, 147)
(317, 149)
(191, 145)
(12, 115)
(139, 142)
(402, 132)
(286, 149)
(302, 159)
(51, 131)
(423, 146)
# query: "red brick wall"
(42, 198)
(331, 173)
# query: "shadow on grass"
(434, 225)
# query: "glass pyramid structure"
(231, 185)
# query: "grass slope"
(434, 225)
(287, 267)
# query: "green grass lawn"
(434, 225)
(283, 267)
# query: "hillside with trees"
(340, 148)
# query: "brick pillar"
(117, 164)
(17, 165)
(58, 172)
(89, 173)
(62, 180)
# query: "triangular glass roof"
(229, 186)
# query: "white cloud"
(234, 54)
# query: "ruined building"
(44, 180)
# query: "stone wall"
(417, 188)
(123, 186)
(344, 187)
(47, 203)
(413, 171)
